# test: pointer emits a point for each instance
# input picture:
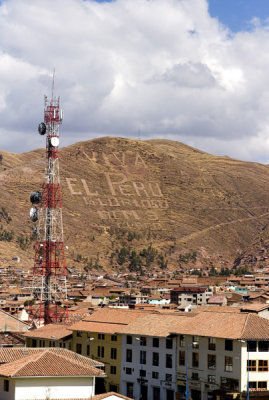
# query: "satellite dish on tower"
(35, 197)
(42, 128)
(54, 141)
(34, 214)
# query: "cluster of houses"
(152, 338)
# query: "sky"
(194, 71)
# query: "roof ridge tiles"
(245, 324)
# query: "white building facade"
(148, 367)
(46, 388)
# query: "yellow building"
(98, 337)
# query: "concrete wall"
(53, 388)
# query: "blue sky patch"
(237, 14)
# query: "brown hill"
(194, 208)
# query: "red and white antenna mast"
(49, 275)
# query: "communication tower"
(49, 274)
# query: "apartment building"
(98, 336)
(223, 355)
(191, 295)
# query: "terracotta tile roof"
(216, 299)
(106, 395)
(255, 328)
(50, 331)
(9, 354)
(114, 316)
(190, 289)
(49, 363)
(228, 309)
(254, 307)
(107, 320)
(155, 324)
(12, 338)
(100, 327)
(211, 324)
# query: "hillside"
(192, 207)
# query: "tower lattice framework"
(49, 274)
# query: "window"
(229, 383)
(155, 375)
(211, 343)
(228, 345)
(195, 342)
(88, 350)
(262, 385)
(129, 389)
(211, 361)
(252, 385)
(143, 341)
(168, 377)
(228, 364)
(263, 346)
(251, 365)
(155, 359)
(181, 357)
(195, 376)
(101, 336)
(129, 355)
(195, 360)
(114, 338)
(113, 388)
(129, 339)
(251, 346)
(88, 335)
(128, 371)
(262, 365)
(211, 378)
(113, 353)
(142, 372)
(101, 351)
(78, 348)
(182, 341)
(169, 394)
(79, 334)
(144, 392)
(155, 342)
(6, 385)
(168, 361)
(113, 370)
(156, 393)
(143, 357)
(34, 342)
(169, 343)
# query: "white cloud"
(164, 67)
